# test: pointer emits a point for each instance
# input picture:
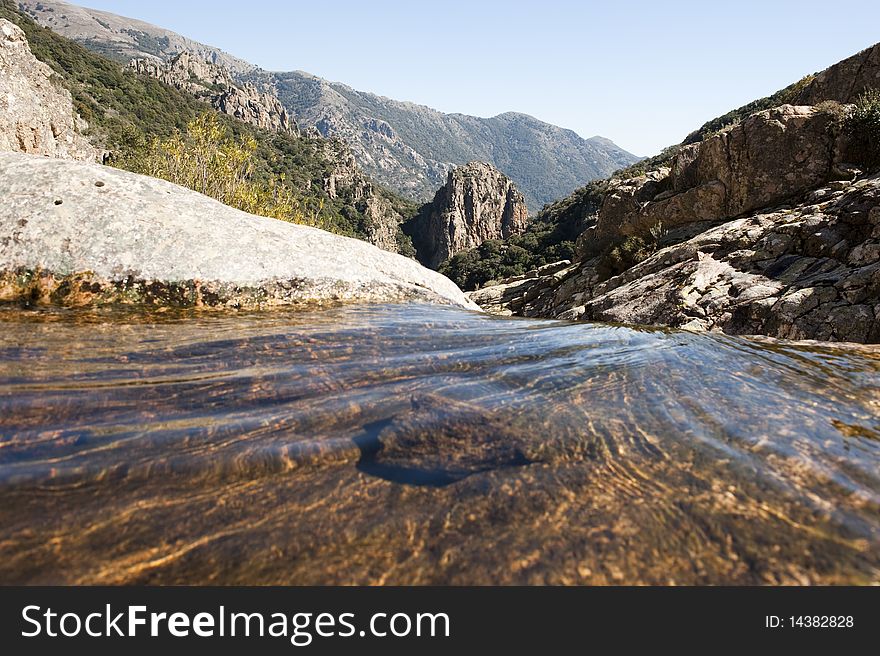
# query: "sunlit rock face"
(476, 204)
(36, 112)
(80, 234)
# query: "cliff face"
(214, 84)
(383, 221)
(476, 204)
(36, 112)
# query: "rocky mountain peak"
(477, 203)
(36, 112)
(214, 83)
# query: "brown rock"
(476, 204)
(844, 81)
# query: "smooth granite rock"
(74, 233)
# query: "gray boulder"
(74, 233)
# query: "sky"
(643, 74)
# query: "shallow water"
(428, 445)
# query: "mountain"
(406, 146)
(123, 38)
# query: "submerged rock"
(73, 233)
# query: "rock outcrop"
(36, 112)
(763, 228)
(845, 81)
(214, 84)
(811, 271)
(383, 221)
(73, 233)
(771, 156)
(476, 204)
(806, 271)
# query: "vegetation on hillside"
(863, 125)
(129, 114)
(208, 159)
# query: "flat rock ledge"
(81, 234)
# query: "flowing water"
(409, 444)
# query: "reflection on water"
(417, 444)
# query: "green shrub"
(208, 159)
(862, 125)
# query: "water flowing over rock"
(83, 234)
(36, 112)
(476, 204)
(214, 84)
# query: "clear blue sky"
(641, 73)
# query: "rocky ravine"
(36, 112)
(769, 231)
(73, 233)
(476, 204)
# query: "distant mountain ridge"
(406, 146)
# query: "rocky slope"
(406, 146)
(36, 113)
(214, 84)
(844, 81)
(770, 226)
(476, 204)
(383, 217)
(73, 233)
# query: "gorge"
(271, 380)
